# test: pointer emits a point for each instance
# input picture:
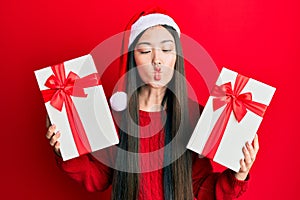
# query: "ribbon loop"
(61, 88)
(236, 103)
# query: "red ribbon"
(60, 91)
(234, 101)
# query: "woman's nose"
(156, 57)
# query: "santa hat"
(139, 23)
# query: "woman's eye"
(167, 50)
(145, 52)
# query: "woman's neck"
(150, 98)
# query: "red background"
(257, 38)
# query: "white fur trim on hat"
(148, 21)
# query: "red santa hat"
(139, 23)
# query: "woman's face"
(155, 56)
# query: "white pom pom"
(118, 101)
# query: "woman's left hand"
(250, 152)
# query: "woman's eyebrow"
(164, 41)
(141, 43)
(148, 43)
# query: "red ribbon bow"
(234, 101)
(60, 91)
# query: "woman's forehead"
(155, 35)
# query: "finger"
(247, 157)
(57, 148)
(251, 151)
(256, 143)
(50, 132)
(54, 139)
(48, 123)
(243, 166)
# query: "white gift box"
(82, 116)
(228, 145)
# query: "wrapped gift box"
(76, 104)
(230, 118)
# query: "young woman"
(159, 118)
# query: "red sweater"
(206, 185)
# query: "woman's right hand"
(53, 138)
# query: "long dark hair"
(177, 176)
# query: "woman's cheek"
(171, 61)
(144, 74)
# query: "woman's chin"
(157, 84)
